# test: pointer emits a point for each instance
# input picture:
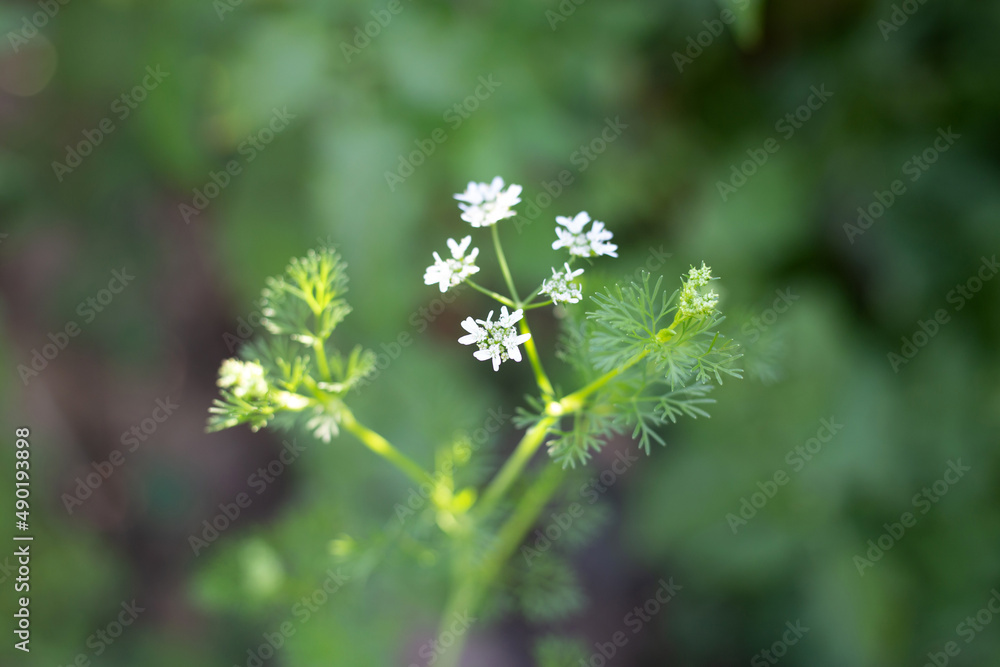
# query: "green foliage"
(295, 376)
(663, 361)
(547, 590)
(307, 302)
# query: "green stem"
(383, 448)
(574, 401)
(503, 264)
(536, 363)
(488, 292)
(511, 470)
(534, 437)
(467, 597)
(324, 366)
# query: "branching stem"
(383, 448)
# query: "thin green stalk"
(537, 305)
(490, 293)
(574, 401)
(383, 448)
(503, 264)
(536, 363)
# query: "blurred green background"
(312, 116)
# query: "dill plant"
(645, 355)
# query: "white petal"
(482, 355)
(470, 325)
(514, 353)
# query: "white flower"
(584, 244)
(488, 203)
(560, 288)
(450, 272)
(692, 302)
(244, 378)
(496, 340)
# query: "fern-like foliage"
(664, 359)
(294, 375)
(548, 589)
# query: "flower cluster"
(593, 243)
(498, 340)
(450, 272)
(560, 286)
(484, 205)
(488, 203)
(245, 379)
(693, 303)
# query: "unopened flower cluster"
(245, 379)
(693, 302)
